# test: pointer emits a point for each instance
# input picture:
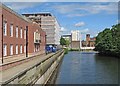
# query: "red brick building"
(19, 36)
(90, 42)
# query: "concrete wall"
(75, 44)
(39, 73)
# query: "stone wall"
(39, 73)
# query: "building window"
(16, 49)
(17, 32)
(21, 32)
(24, 49)
(24, 34)
(11, 49)
(11, 30)
(5, 28)
(20, 48)
(4, 50)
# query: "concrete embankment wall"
(39, 73)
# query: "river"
(88, 68)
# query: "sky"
(88, 17)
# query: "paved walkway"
(11, 72)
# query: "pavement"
(13, 71)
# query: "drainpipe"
(2, 39)
(26, 41)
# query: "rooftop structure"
(49, 24)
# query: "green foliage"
(62, 41)
(66, 50)
(108, 41)
(74, 49)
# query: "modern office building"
(49, 24)
(19, 36)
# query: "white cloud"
(63, 29)
(21, 5)
(76, 9)
(75, 15)
(79, 24)
(84, 31)
(60, 0)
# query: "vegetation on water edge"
(74, 49)
(66, 50)
(108, 41)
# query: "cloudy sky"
(88, 17)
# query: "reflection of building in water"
(90, 42)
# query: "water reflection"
(88, 68)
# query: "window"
(16, 49)
(11, 49)
(11, 30)
(21, 32)
(24, 34)
(17, 32)
(4, 50)
(5, 28)
(20, 48)
(24, 49)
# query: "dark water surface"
(88, 68)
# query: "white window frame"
(24, 34)
(20, 49)
(11, 30)
(5, 28)
(21, 32)
(17, 31)
(11, 49)
(24, 48)
(5, 50)
(16, 48)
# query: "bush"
(66, 50)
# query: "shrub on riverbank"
(108, 41)
(66, 50)
(74, 50)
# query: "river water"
(88, 68)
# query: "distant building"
(75, 43)
(49, 24)
(75, 35)
(90, 42)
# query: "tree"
(62, 41)
(108, 41)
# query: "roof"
(15, 13)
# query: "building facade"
(17, 35)
(75, 43)
(49, 24)
(75, 35)
(90, 42)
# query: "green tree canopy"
(108, 41)
(62, 41)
